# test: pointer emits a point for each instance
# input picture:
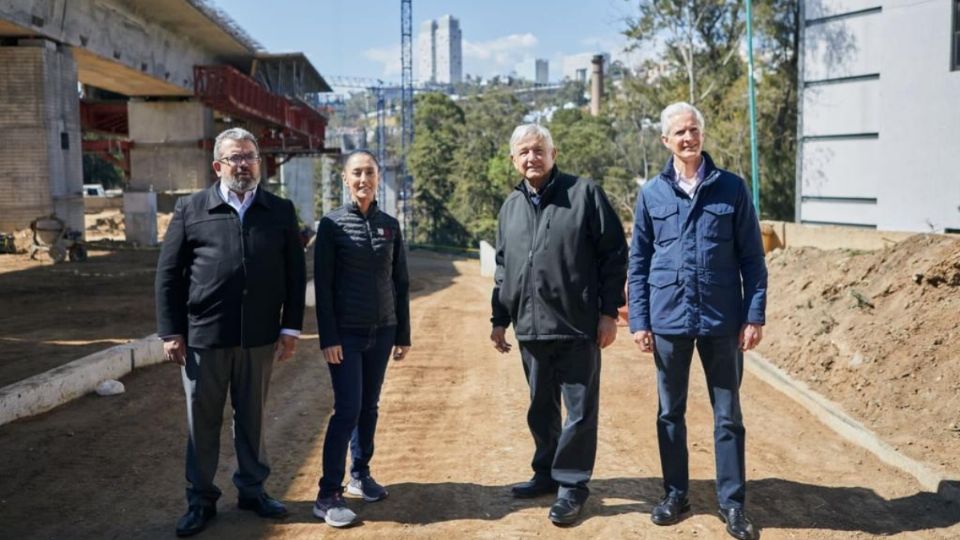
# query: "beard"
(240, 183)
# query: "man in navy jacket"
(230, 295)
(697, 278)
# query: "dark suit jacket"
(223, 283)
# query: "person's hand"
(285, 347)
(175, 350)
(499, 338)
(606, 331)
(750, 336)
(333, 354)
(644, 340)
(400, 352)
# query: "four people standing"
(560, 270)
(230, 287)
(697, 279)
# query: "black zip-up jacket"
(223, 283)
(360, 274)
(560, 264)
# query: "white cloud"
(497, 56)
(388, 57)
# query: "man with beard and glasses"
(230, 295)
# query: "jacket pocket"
(665, 223)
(718, 221)
(666, 298)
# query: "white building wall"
(879, 113)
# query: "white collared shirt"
(233, 199)
(689, 185)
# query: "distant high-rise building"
(426, 52)
(534, 70)
(440, 51)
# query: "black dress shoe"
(668, 510)
(534, 488)
(264, 505)
(195, 520)
(565, 511)
(738, 524)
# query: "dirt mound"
(877, 332)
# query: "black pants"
(207, 377)
(567, 369)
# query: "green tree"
(700, 60)
(438, 124)
(489, 122)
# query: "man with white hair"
(230, 295)
(697, 278)
(561, 267)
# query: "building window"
(955, 64)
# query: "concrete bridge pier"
(41, 164)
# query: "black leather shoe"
(668, 510)
(534, 488)
(738, 525)
(264, 505)
(195, 520)
(565, 511)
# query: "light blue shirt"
(233, 199)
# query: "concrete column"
(297, 178)
(596, 85)
(41, 168)
(168, 153)
(330, 185)
(140, 217)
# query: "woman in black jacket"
(363, 312)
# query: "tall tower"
(449, 56)
(427, 52)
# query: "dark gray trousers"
(567, 369)
(207, 376)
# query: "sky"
(361, 38)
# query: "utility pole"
(406, 135)
(754, 165)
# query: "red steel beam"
(104, 117)
(292, 125)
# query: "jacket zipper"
(533, 245)
(373, 256)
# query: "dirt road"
(452, 438)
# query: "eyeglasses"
(237, 159)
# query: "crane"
(406, 134)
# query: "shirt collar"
(698, 176)
(231, 198)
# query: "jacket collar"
(215, 199)
(670, 174)
(548, 187)
(355, 208)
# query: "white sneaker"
(368, 488)
(334, 511)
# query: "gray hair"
(233, 134)
(676, 109)
(524, 130)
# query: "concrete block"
(50, 389)
(45, 391)
(140, 217)
(488, 261)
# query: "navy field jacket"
(696, 264)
